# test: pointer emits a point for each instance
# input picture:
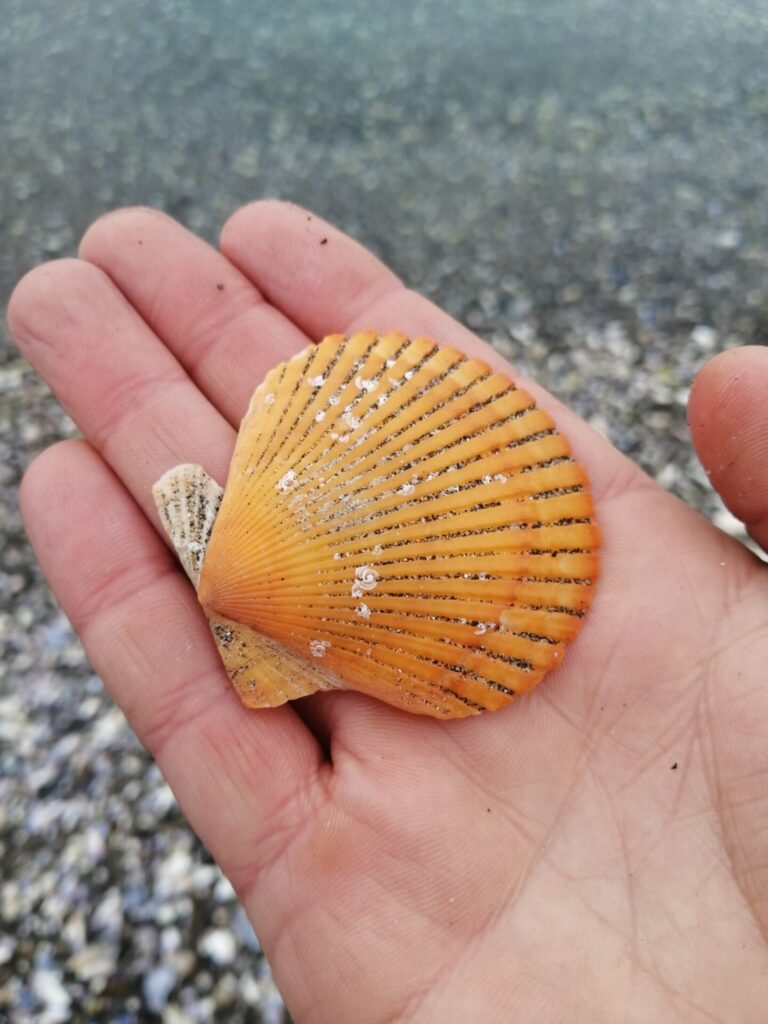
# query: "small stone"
(7, 946)
(157, 987)
(728, 522)
(95, 961)
(243, 929)
(95, 845)
(223, 891)
(219, 945)
(172, 1014)
(250, 991)
(173, 874)
(668, 476)
(204, 877)
(728, 239)
(108, 916)
(74, 931)
(47, 987)
(170, 941)
(704, 337)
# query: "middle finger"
(213, 319)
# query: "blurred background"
(582, 182)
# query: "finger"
(241, 777)
(322, 279)
(213, 319)
(123, 388)
(326, 282)
(728, 418)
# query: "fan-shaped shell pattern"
(402, 521)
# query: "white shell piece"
(188, 499)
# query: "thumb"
(728, 419)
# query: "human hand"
(596, 851)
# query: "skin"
(598, 851)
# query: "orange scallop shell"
(398, 520)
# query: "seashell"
(398, 520)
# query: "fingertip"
(49, 482)
(728, 420)
(713, 384)
(259, 214)
(126, 221)
(725, 395)
(42, 295)
(316, 275)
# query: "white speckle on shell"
(319, 415)
(316, 382)
(366, 578)
(365, 385)
(317, 648)
(352, 421)
(363, 611)
(286, 482)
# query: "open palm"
(598, 850)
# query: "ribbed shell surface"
(406, 520)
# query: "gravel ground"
(583, 182)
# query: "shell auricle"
(398, 520)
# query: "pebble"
(726, 521)
(704, 337)
(108, 916)
(219, 945)
(7, 946)
(158, 985)
(173, 1014)
(94, 961)
(48, 989)
(243, 929)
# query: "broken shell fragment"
(398, 520)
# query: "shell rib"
(398, 520)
